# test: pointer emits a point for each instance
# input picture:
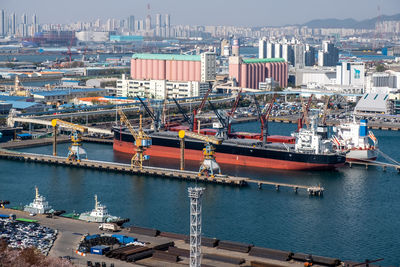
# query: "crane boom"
(219, 117)
(205, 138)
(125, 121)
(203, 102)
(233, 109)
(304, 114)
(325, 110)
(65, 124)
(151, 114)
(185, 116)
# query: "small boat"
(39, 205)
(100, 214)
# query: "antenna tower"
(195, 195)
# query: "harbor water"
(356, 219)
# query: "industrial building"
(92, 36)
(57, 38)
(200, 68)
(66, 95)
(376, 103)
(248, 73)
(160, 89)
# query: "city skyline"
(208, 13)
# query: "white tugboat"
(39, 205)
(355, 138)
(100, 214)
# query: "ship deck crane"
(222, 131)
(75, 151)
(304, 115)
(325, 111)
(264, 116)
(234, 107)
(209, 166)
(185, 116)
(142, 141)
(154, 117)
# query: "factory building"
(248, 73)
(200, 68)
(160, 89)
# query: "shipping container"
(99, 250)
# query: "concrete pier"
(152, 171)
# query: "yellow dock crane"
(209, 166)
(76, 152)
(142, 141)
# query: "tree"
(380, 68)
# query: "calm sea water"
(358, 217)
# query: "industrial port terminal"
(136, 141)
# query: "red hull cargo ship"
(251, 153)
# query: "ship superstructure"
(355, 138)
(39, 204)
(98, 214)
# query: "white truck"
(108, 227)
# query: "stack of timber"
(163, 246)
(205, 241)
(144, 231)
(270, 253)
(165, 256)
(184, 253)
(226, 259)
(174, 236)
(234, 246)
(319, 260)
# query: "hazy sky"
(203, 12)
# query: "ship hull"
(229, 154)
(362, 155)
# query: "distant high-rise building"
(141, 25)
(2, 23)
(24, 19)
(13, 25)
(309, 56)
(148, 23)
(131, 24)
(262, 48)
(299, 56)
(329, 55)
(235, 47)
(35, 24)
(277, 50)
(270, 50)
(288, 53)
(167, 25)
(158, 24)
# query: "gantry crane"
(142, 141)
(209, 166)
(75, 151)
